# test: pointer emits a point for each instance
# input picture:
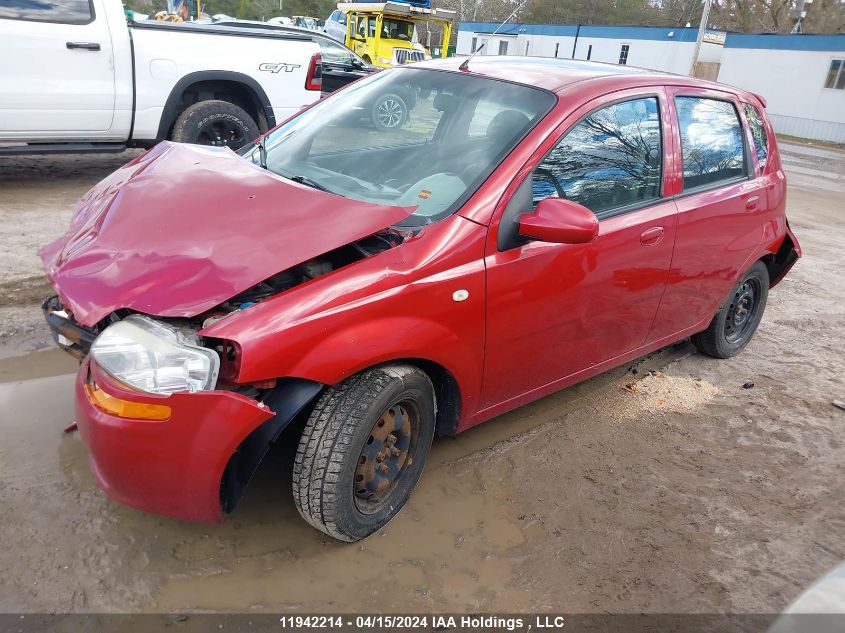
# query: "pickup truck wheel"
(215, 122)
(737, 320)
(389, 112)
(363, 450)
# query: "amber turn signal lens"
(125, 408)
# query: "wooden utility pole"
(701, 28)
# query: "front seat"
(501, 130)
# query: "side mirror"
(559, 221)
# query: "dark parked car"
(341, 66)
(539, 222)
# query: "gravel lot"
(682, 492)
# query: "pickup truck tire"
(389, 112)
(215, 122)
(363, 450)
(737, 320)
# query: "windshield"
(397, 29)
(406, 137)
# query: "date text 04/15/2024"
(438, 622)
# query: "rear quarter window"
(758, 131)
(62, 11)
(711, 141)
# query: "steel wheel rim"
(221, 133)
(742, 310)
(386, 455)
(389, 113)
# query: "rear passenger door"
(554, 310)
(721, 208)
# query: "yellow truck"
(383, 33)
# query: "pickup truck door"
(58, 70)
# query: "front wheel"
(737, 320)
(215, 122)
(363, 450)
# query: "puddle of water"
(458, 545)
(52, 362)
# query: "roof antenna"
(465, 64)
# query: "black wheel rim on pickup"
(742, 311)
(222, 133)
(385, 456)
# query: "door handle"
(88, 46)
(652, 236)
(752, 203)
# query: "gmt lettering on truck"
(271, 67)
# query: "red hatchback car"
(533, 223)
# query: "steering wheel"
(555, 183)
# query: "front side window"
(711, 141)
(407, 137)
(611, 159)
(64, 11)
(758, 131)
(836, 75)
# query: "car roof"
(557, 74)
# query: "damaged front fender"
(287, 399)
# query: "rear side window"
(611, 159)
(63, 11)
(711, 141)
(758, 131)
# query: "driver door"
(554, 311)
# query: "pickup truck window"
(65, 12)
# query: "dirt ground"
(683, 492)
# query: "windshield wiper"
(303, 180)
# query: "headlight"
(153, 357)
(385, 60)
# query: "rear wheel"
(215, 122)
(737, 320)
(363, 450)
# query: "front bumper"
(73, 338)
(174, 466)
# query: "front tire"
(737, 320)
(217, 123)
(363, 450)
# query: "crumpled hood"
(183, 228)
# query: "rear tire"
(349, 477)
(737, 320)
(217, 123)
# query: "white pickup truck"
(75, 76)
